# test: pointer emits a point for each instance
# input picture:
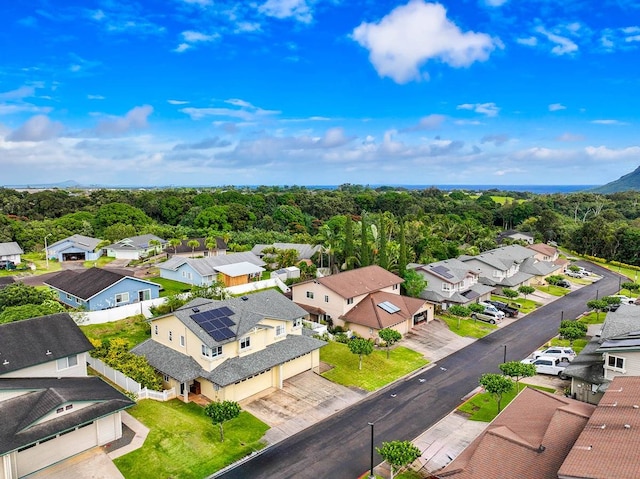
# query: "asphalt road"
(339, 447)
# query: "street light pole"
(371, 475)
(46, 250)
(504, 360)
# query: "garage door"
(54, 450)
(297, 366)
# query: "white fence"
(258, 285)
(128, 384)
(115, 314)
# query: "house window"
(182, 340)
(68, 406)
(66, 363)
(245, 343)
(349, 300)
(280, 330)
(297, 322)
(144, 295)
(326, 298)
(211, 352)
(310, 294)
(396, 286)
(186, 274)
(59, 410)
(170, 335)
(69, 296)
(615, 362)
(446, 287)
(155, 329)
(122, 298)
(166, 378)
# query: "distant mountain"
(62, 184)
(630, 181)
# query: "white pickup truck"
(548, 365)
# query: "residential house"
(510, 267)
(548, 252)
(615, 352)
(515, 235)
(75, 248)
(608, 445)
(332, 299)
(95, 289)
(205, 271)
(452, 282)
(529, 439)
(231, 349)
(50, 409)
(305, 251)
(202, 250)
(136, 247)
(11, 252)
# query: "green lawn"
(593, 318)
(483, 407)
(526, 305)
(184, 444)
(578, 344)
(377, 370)
(134, 329)
(468, 328)
(101, 261)
(36, 258)
(553, 290)
(170, 287)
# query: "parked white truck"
(548, 365)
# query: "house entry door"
(195, 388)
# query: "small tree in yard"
(517, 371)
(526, 290)
(220, 412)
(459, 312)
(574, 268)
(572, 330)
(497, 385)
(389, 336)
(361, 347)
(510, 293)
(634, 287)
(597, 305)
(398, 454)
(476, 308)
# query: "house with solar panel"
(452, 282)
(231, 349)
(363, 300)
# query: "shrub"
(115, 353)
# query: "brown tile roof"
(368, 313)
(357, 282)
(609, 446)
(543, 248)
(529, 439)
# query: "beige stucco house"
(231, 349)
(50, 409)
(363, 300)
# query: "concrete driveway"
(434, 340)
(91, 464)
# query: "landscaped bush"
(115, 353)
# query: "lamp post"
(46, 250)
(504, 354)
(371, 475)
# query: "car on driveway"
(509, 311)
(563, 283)
(560, 352)
(548, 365)
(6, 264)
(492, 317)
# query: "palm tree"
(193, 244)
(175, 242)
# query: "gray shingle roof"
(42, 396)
(79, 241)
(208, 266)
(622, 321)
(26, 343)
(84, 284)
(177, 365)
(136, 242)
(588, 365)
(11, 248)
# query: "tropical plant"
(497, 385)
(390, 337)
(220, 412)
(517, 371)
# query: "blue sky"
(318, 92)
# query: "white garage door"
(55, 450)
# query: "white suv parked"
(560, 352)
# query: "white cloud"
(191, 36)
(430, 122)
(529, 41)
(182, 47)
(497, 140)
(18, 93)
(95, 97)
(570, 137)
(607, 122)
(488, 109)
(563, 45)
(415, 33)
(297, 9)
(495, 3)
(37, 128)
(201, 3)
(177, 102)
(557, 107)
(134, 119)
(247, 27)
(245, 111)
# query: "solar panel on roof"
(226, 311)
(217, 323)
(227, 321)
(389, 307)
(215, 313)
(218, 335)
(441, 270)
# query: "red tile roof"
(543, 249)
(529, 439)
(357, 282)
(609, 446)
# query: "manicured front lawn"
(184, 444)
(593, 318)
(377, 370)
(134, 329)
(553, 290)
(526, 305)
(99, 263)
(483, 407)
(468, 328)
(171, 287)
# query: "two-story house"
(452, 282)
(231, 349)
(363, 300)
(50, 409)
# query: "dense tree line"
(358, 225)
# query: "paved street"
(339, 446)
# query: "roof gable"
(11, 248)
(78, 241)
(370, 313)
(39, 340)
(357, 282)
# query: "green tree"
(414, 283)
(19, 294)
(174, 243)
(402, 255)
(27, 311)
(365, 257)
(220, 412)
(497, 385)
(572, 330)
(348, 243)
(526, 290)
(510, 293)
(118, 231)
(361, 347)
(597, 305)
(383, 259)
(459, 312)
(634, 287)
(398, 454)
(517, 371)
(113, 213)
(390, 337)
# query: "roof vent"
(635, 406)
(244, 298)
(195, 310)
(48, 353)
(627, 426)
(5, 362)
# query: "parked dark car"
(505, 308)
(6, 264)
(563, 283)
